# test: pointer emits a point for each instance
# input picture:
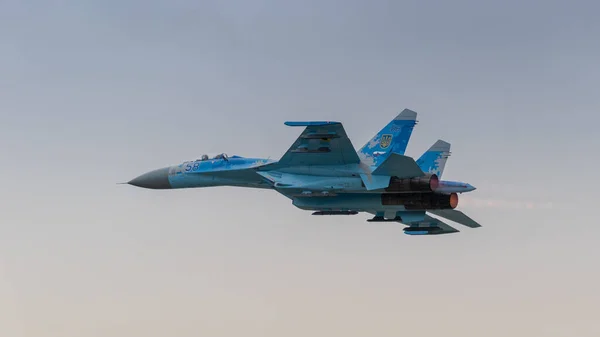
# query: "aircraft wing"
(321, 143)
(429, 226)
(418, 223)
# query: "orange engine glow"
(453, 200)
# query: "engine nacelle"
(427, 183)
(421, 201)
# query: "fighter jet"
(323, 173)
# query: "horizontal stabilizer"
(430, 226)
(456, 216)
(400, 166)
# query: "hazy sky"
(97, 92)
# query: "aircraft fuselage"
(263, 173)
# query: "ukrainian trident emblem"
(385, 141)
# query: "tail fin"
(392, 138)
(434, 160)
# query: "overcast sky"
(97, 92)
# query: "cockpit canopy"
(219, 156)
(213, 157)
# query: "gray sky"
(96, 92)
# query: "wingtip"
(310, 123)
(440, 145)
(407, 114)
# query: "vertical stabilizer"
(434, 160)
(392, 138)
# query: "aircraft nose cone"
(157, 179)
(471, 188)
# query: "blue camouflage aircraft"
(323, 173)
